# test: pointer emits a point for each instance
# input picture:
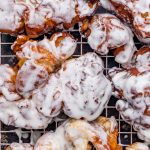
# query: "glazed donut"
(133, 85)
(61, 46)
(79, 86)
(40, 58)
(105, 32)
(80, 93)
(76, 135)
(135, 12)
(138, 146)
(15, 110)
(102, 133)
(38, 17)
(22, 113)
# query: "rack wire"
(9, 134)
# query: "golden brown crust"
(113, 141)
(112, 135)
(19, 42)
(8, 148)
(142, 50)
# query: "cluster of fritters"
(46, 81)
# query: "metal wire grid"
(8, 134)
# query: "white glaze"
(75, 135)
(23, 114)
(64, 12)
(11, 15)
(132, 86)
(15, 110)
(30, 15)
(107, 5)
(140, 12)
(84, 9)
(144, 134)
(106, 33)
(50, 141)
(63, 51)
(80, 133)
(138, 146)
(30, 77)
(7, 88)
(142, 61)
(84, 91)
(81, 93)
(33, 75)
(17, 146)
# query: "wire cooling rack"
(9, 134)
